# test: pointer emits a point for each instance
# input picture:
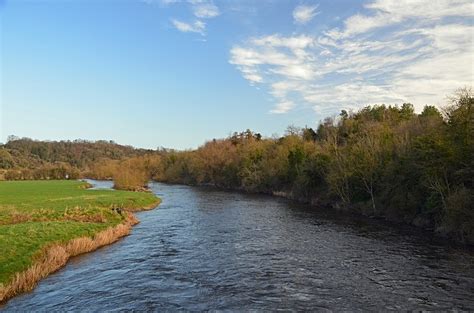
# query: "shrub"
(130, 176)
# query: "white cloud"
(302, 14)
(206, 10)
(202, 9)
(294, 43)
(358, 24)
(395, 52)
(389, 12)
(267, 58)
(162, 2)
(196, 27)
(283, 107)
(424, 8)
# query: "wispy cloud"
(206, 10)
(201, 9)
(283, 107)
(302, 14)
(196, 27)
(395, 53)
(162, 2)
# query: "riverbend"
(205, 249)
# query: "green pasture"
(34, 214)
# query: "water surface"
(206, 249)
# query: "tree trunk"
(369, 186)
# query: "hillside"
(25, 158)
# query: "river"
(206, 249)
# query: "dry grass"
(78, 214)
(17, 217)
(54, 257)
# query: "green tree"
(6, 160)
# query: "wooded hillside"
(385, 161)
(25, 158)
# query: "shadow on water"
(207, 249)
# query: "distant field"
(36, 214)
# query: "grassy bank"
(43, 223)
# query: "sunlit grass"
(38, 214)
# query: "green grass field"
(35, 214)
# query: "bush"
(6, 160)
(130, 176)
(459, 218)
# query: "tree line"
(25, 158)
(384, 161)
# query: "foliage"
(131, 174)
(27, 155)
(382, 160)
(6, 160)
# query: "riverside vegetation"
(43, 223)
(384, 161)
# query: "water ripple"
(206, 250)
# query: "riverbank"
(228, 251)
(418, 222)
(44, 223)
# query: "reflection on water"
(205, 249)
(100, 184)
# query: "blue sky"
(175, 73)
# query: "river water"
(205, 249)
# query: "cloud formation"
(196, 27)
(392, 54)
(201, 9)
(302, 14)
(205, 10)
